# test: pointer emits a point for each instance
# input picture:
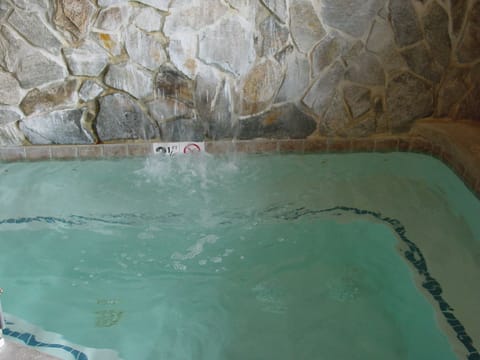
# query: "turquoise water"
(238, 258)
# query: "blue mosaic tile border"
(413, 255)
(30, 340)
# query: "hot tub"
(358, 256)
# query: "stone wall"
(89, 71)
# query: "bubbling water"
(192, 170)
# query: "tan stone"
(170, 83)
(74, 16)
(51, 97)
(259, 87)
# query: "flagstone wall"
(90, 71)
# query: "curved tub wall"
(85, 71)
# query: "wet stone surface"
(286, 121)
(57, 127)
(218, 61)
(120, 117)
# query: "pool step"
(20, 335)
(13, 351)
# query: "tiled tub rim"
(403, 143)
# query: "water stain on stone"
(106, 40)
(271, 118)
(191, 65)
(173, 84)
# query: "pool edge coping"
(426, 137)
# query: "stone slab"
(305, 26)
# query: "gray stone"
(392, 61)
(206, 91)
(365, 69)
(170, 83)
(458, 10)
(9, 114)
(182, 49)
(245, 8)
(34, 70)
(182, 130)
(421, 61)
(357, 99)
(4, 9)
(87, 60)
(57, 127)
(10, 91)
(213, 102)
(435, 24)
(31, 66)
(113, 43)
(158, 4)
(452, 89)
(148, 19)
(381, 42)
(34, 30)
(193, 15)
(405, 23)
(381, 38)
(130, 78)
(228, 44)
(327, 51)
(107, 3)
(10, 135)
(469, 46)
(335, 118)
(90, 90)
(120, 117)
(168, 109)
(296, 79)
(32, 5)
(383, 13)
(305, 26)
(354, 51)
(274, 36)
(379, 114)
(259, 87)
(112, 19)
(74, 16)
(145, 49)
(322, 90)
(281, 122)
(277, 7)
(59, 95)
(362, 128)
(353, 17)
(11, 47)
(408, 98)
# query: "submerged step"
(11, 350)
